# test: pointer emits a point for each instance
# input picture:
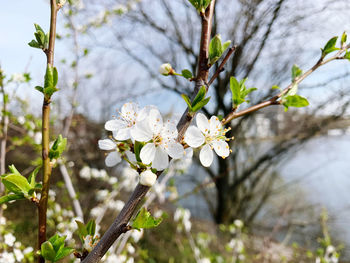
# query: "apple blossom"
(166, 69)
(210, 135)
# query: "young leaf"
(347, 55)
(16, 183)
(82, 232)
(40, 89)
(187, 100)
(187, 74)
(91, 227)
(144, 219)
(330, 46)
(58, 147)
(31, 178)
(47, 251)
(38, 28)
(137, 149)
(235, 90)
(215, 49)
(296, 72)
(343, 39)
(34, 44)
(200, 104)
(63, 252)
(295, 101)
(55, 76)
(11, 197)
(200, 96)
(275, 87)
(48, 83)
(226, 45)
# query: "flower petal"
(112, 159)
(129, 110)
(143, 114)
(202, 123)
(131, 156)
(122, 134)
(206, 156)
(113, 125)
(155, 121)
(175, 150)
(147, 153)
(106, 144)
(161, 159)
(141, 132)
(169, 131)
(194, 137)
(215, 126)
(221, 148)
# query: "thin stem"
(42, 207)
(221, 66)
(275, 100)
(119, 225)
(4, 124)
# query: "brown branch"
(42, 207)
(115, 230)
(221, 66)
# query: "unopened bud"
(166, 69)
(148, 178)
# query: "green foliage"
(329, 47)
(17, 186)
(198, 102)
(54, 249)
(294, 101)
(187, 74)
(239, 91)
(41, 40)
(343, 39)
(296, 72)
(347, 55)
(216, 49)
(58, 147)
(50, 82)
(85, 230)
(200, 5)
(144, 219)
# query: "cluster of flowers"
(144, 129)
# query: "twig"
(221, 67)
(42, 207)
(115, 230)
(275, 100)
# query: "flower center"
(157, 140)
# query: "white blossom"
(112, 158)
(85, 173)
(126, 120)
(161, 140)
(238, 223)
(209, 134)
(102, 194)
(148, 178)
(7, 257)
(9, 239)
(18, 254)
(129, 179)
(116, 205)
(28, 250)
(90, 242)
(130, 249)
(21, 120)
(18, 77)
(136, 235)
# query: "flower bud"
(61, 3)
(166, 69)
(148, 178)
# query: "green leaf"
(58, 147)
(200, 104)
(137, 150)
(50, 91)
(347, 55)
(16, 183)
(187, 100)
(296, 72)
(200, 5)
(63, 252)
(11, 197)
(215, 49)
(47, 251)
(186, 74)
(40, 89)
(236, 91)
(294, 101)
(55, 76)
(34, 44)
(330, 46)
(275, 87)
(343, 39)
(200, 96)
(57, 241)
(226, 45)
(91, 227)
(38, 28)
(48, 83)
(40, 38)
(31, 178)
(144, 219)
(82, 232)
